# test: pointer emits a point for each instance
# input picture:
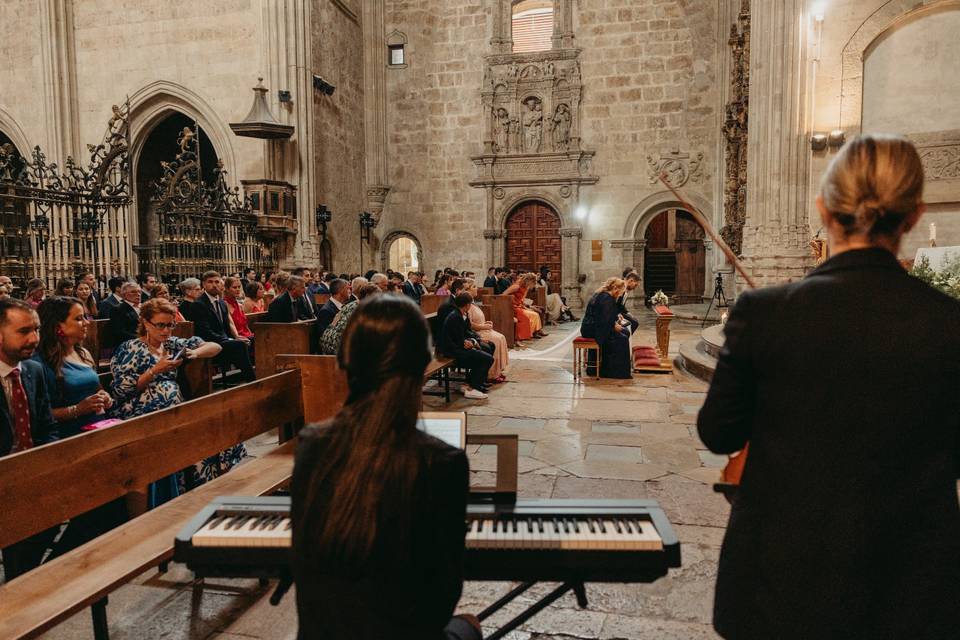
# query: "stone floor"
(609, 439)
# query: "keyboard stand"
(577, 588)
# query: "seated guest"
(436, 279)
(249, 275)
(280, 279)
(147, 283)
(377, 505)
(632, 281)
(369, 274)
(443, 285)
(87, 299)
(339, 295)
(190, 291)
(490, 282)
(6, 288)
(76, 398)
(124, 318)
(162, 292)
(503, 280)
(557, 310)
(211, 322)
(112, 300)
(65, 287)
(266, 279)
(412, 287)
(484, 329)
(396, 282)
(319, 284)
(333, 335)
(232, 291)
(145, 375)
(456, 343)
(355, 285)
(253, 300)
(380, 280)
(35, 292)
(858, 506)
(601, 321)
(528, 321)
(91, 281)
(291, 305)
(449, 305)
(25, 418)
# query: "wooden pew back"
(501, 314)
(539, 296)
(272, 338)
(324, 384)
(320, 299)
(39, 491)
(195, 378)
(429, 303)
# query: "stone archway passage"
(533, 239)
(675, 257)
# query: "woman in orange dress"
(528, 321)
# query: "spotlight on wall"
(580, 213)
(837, 138)
(323, 86)
(818, 142)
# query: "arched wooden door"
(675, 257)
(533, 240)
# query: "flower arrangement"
(659, 298)
(946, 280)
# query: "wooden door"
(691, 260)
(533, 240)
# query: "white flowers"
(946, 280)
(659, 298)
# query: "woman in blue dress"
(601, 321)
(77, 400)
(145, 380)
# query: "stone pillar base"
(775, 266)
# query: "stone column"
(494, 242)
(776, 232)
(570, 250)
(375, 106)
(59, 63)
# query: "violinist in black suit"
(211, 322)
(26, 420)
(846, 522)
(377, 505)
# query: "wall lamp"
(834, 140)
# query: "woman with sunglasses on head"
(145, 373)
(378, 506)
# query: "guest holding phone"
(378, 506)
(145, 374)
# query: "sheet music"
(450, 430)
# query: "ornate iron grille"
(201, 226)
(59, 223)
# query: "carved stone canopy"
(679, 168)
(260, 122)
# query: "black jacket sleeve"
(452, 335)
(42, 424)
(725, 421)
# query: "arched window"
(404, 255)
(532, 26)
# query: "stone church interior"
(658, 298)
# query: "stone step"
(699, 357)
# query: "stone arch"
(886, 17)
(651, 206)
(12, 130)
(509, 205)
(388, 240)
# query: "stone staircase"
(699, 357)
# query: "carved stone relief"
(941, 163)
(679, 168)
(735, 132)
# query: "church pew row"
(538, 295)
(107, 464)
(501, 314)
(429, 303)
(97, 340)
(274, 338)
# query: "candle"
(933, 231)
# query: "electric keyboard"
(554, 540)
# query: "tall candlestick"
(933, 231)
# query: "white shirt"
(336, 303)
(7, 382)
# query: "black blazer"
(502, 285)
(206, 324)
(490, 282)
(325, 316)
(412, 291)
(122, 325)
(846, 524)
(454, 332)
(405, 591)
(284, 309)
(104, 308)
(38, 397)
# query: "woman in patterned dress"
(145, 380)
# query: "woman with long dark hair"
(379, 506)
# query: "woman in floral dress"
(145, 380)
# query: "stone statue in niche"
(501, 131)
(561, 128)
(514, 137)
(533, 125)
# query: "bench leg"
(99, 612)
(446, 385)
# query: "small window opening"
(532, 26)
(397, 54)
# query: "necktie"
(20, 411)
(216, 306)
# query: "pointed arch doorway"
(533, 240)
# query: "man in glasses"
(125, 317)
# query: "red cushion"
(582, 340)
(663, 310)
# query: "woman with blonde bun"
(846, 522)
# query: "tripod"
(718, 296)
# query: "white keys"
(244, 531)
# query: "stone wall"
(21, 100)
(339, 127)
(651, 87)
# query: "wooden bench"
(439, 370)
(429, 303)
(195, 378)
(320, 299)
(107, 464)
(253, 318)
(273, 338)
(324, 384)
(502, 316)
(539, 296)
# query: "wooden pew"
(429, 303)
(183, 329)
(485, 291)
(105, 464)
(501, 314)
(253, 318)
(320, 299)
(272, 338)
(195, 378)
(324, 384)
(96, 341)
(539, 296)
